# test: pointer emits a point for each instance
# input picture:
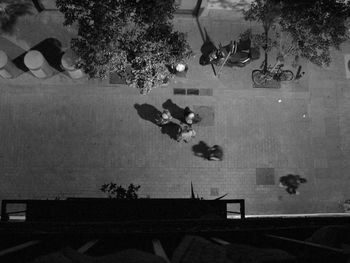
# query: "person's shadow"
(172, 129)
(175, 111)
(207, 47)
(147, 112)
(201, 149)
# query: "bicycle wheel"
(286, 75)
(258, 77)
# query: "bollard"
(68, 63)
(37, 64)
(7, 69)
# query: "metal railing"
(7, 215)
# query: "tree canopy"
(132, 37)
(313, 26)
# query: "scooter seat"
(245, 51)
(244, 45)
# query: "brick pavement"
(69, 140)
(61, 137)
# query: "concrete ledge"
(293, 215)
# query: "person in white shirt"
(186, 134)
(164, 118)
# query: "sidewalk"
(62, 137)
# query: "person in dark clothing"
(215, 153)
(291, 182)
(190, 117)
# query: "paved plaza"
(61, 137)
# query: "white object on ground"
(180, 67)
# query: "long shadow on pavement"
(201, 149)
(172, 129)
(175, 111)
(207, 47)
(147, 112)
(50, 48)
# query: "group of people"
(186, 132)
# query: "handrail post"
(4, 215)
(242, 209)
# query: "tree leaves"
(131, 37)
(314, 26)
(119, 192)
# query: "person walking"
(291, 183)
(215, 153)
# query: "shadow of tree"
(147, 112)
(10, 10)
(208, 44)
(38, 5)
(201, 149)
(51, 48)
(172, 129)
(175, 111)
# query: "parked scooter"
(234, 54)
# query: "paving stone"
(206, 113)
(65, 138)
(192, 92)
(214, 191)
(320, 163)
(332, 126)
(265, 176)
(206, 92)
(179, 91)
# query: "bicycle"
(260, 77)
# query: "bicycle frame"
(276, 72)
(273, 70)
